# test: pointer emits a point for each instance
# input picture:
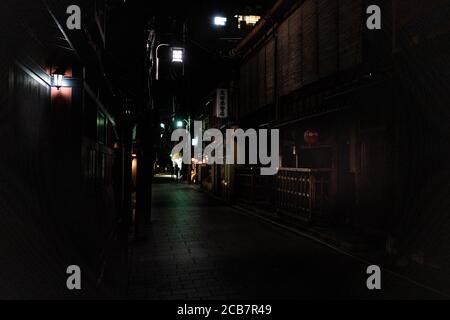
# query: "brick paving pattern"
(198, 248)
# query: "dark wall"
(38, 194)
(46, 225)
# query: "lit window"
(220, 21)
(248, 20)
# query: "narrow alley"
(201, 248)
(224, 150)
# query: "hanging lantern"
(311, 137)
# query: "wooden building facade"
(314, 66)
(62, 176)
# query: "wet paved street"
(200, 248)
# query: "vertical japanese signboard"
(222, 103)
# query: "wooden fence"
(304, 193)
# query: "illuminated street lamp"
(177, 56)
(157, 58)
(220, 21)
(181, 124)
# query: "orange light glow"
(62, 93)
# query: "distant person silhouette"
(171, 170)
(177, 172)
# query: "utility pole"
(145, 132)
(186, 105)
(184, 43)
(124, 169)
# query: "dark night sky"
(202, 47)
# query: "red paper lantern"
(311, 137)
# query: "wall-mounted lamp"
(57, 80)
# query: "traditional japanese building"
(65, 186)
(361, 145)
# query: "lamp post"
(157, 57)
(177, 56)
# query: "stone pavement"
(200, 248)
